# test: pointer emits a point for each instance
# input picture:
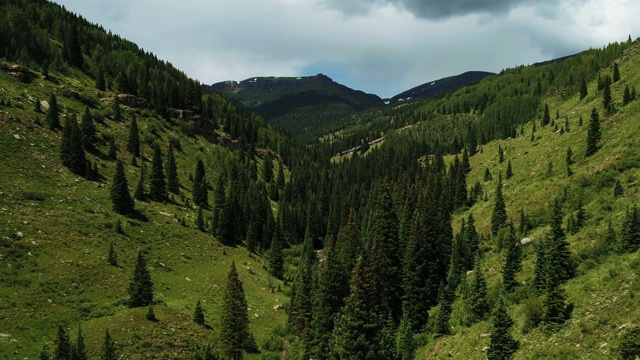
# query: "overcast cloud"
(378, 46)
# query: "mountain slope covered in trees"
(139, 221)
(299, 105)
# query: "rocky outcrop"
(132, 101)
(19, 72)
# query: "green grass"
(55, 231)
(605, 291)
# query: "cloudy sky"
(378, 46)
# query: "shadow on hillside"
(137, 215)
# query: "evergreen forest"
(145, 216)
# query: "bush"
(188, 128)
(629, 347)
(532, 310)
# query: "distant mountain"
(435, 88)
(300, 105)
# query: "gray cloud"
(436, 9)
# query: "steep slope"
(439, 87)
(58, 225)
(298, 105)
(603, 294)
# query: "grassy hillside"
(604, 291)
(57, 228)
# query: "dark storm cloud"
(437, 9)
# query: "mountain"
(300, 105)
(501, 217)
(436, 88)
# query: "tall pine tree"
(120, 197)
(384, 262)
(71, 150)
(108, 347)
(53, 114)
(133, 140)
(593, 133)
(499, 215)
(502, 345)
(157, 180)
(354, 336)
(234, 321)
(173, 185)
(140, 286)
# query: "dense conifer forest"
(498, 220)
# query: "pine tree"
(512, 262)
(487, 175)
(79, 350)
(100, 81)
(200, 193)
(44, 353)
(140, 192)
(280, 177)
(509, 173)
(276, 256)
(87, 129)
(499, 215)
(355, 330)
(554, 306)
(540, 269)
(405, 345)
(219, 200)
(267, 170)
(384, 262)
(200, 220)
(301, 302)
(560, 265)
(234, 320)
(112, 258)
(140, 286)
(502, 345)
(157, 180)
(386, 339)
(475, 299)
(630, 231)
(332, 288)
(108, 348)
(546, 117)
(120, 198)
(198, 314)
(113, 149)
(63, 345)
(606, 98)
(72, 51)
(172, 172)
(415, 306)
(569, 161)
(593, 134)
(443, 312)
(583, 89)
(500, 154)
(133, 140)
(53, 116)
(618, 190)
(616, 72)
(71, 150)
(626, 97)
(117, 113)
